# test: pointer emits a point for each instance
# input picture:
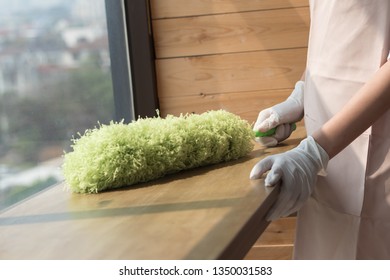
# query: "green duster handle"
(272, 131)
(118, 154)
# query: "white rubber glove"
(281, 116)
(296, 173)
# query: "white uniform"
(348, 216)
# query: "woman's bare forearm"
(368, 105)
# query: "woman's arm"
(371, 101)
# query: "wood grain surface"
(255, 101)
(276, 242)
(184, 8)
(230, 73)
(229, 33)
(228, 54)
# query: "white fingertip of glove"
(267, 141)
(273, 177)
(296, 173)
(282, 132)
(266, 120)
(261, 167)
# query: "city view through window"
(55, 81)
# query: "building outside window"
(55, 82)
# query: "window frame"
(132, 59)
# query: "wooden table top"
(212, 212)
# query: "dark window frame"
(132, 59)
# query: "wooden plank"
(245, 104)
(239, 32)
(183, 8)
(279, 232)
(282, 252)
(276, 242)
(225, 73)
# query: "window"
(59, 78)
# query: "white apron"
(348, 216)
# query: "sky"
(8, 7)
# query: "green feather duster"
(118, 154)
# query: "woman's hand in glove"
(282, 132)
(296, 173)
(281, 116)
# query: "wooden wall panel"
(225, 54)
(279, 232)
(182, 8)
(227, 33)
(231, 102)
(276, 243)
(226, 73)
(272, 252)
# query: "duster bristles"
(119, 155)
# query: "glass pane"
(55, 81)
